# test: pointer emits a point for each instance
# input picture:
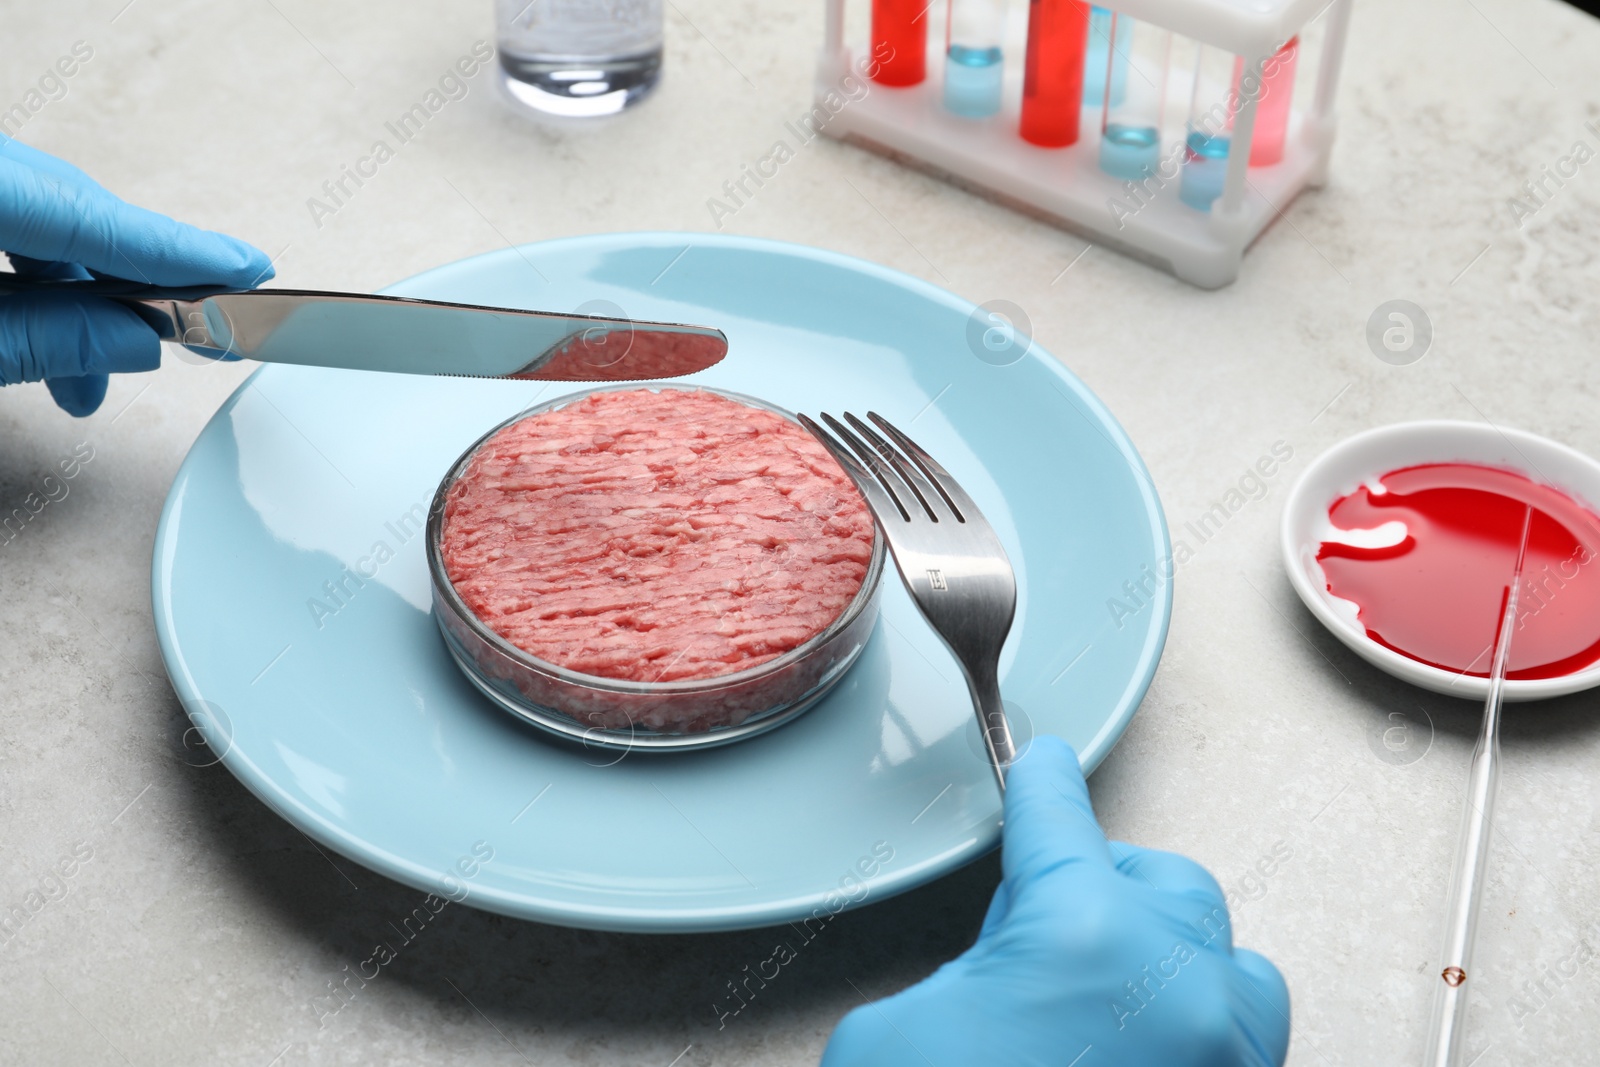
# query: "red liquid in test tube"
(1272, 109)
(1052, 83)
(900, 41)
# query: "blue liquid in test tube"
(1130, 127)
(1205, 168)
(974, 66)
(1130, 152)
(1209, 131)
(972, 79)
(1096, 60)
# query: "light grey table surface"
(203, 926)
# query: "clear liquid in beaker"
(579, 58)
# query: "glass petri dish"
(620, 714)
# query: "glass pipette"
(1445, 1041)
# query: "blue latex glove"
(57, 222)
(1119, 955)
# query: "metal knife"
(390, 333)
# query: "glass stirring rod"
(1472, 852)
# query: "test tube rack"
(1066, 185)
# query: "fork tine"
(948, 487)
(891, 481)
(927, 494)
(881, 500)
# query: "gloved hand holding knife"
(99, 282)
(58, 223)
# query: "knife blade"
(402, 335)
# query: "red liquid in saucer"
(1435, 592)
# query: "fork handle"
(992, 721)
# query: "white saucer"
(1368, 456)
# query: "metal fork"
(949, 557)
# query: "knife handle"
(174, 312)
(26, 284)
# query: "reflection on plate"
(292, 603)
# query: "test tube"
(1100, 59)
(1130, 128)
(1052, 82)
(973, 65)
(1272, 108)
(899, 42)
(1208, 131)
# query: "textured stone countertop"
(202, 925)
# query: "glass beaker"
(578, 58)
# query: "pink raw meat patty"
(655, 536)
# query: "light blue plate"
(292, 604)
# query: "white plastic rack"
(1066, 185)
